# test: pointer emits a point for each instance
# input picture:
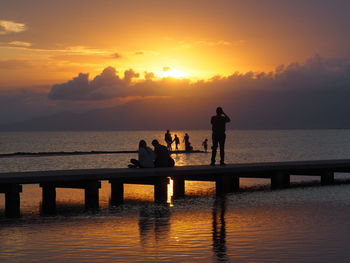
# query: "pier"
(226, 178)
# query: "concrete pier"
(178, 187)
(226, 178)
(91, 194)
(160, 188)
(280, 180)
(327, 178)
(12, 199)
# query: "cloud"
(149, 75)
(312, 94)
(7, 27)
(117, 56)
(315, 74)
(107, 85)
(19, 44)
(211, 43)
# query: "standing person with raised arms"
(218, 123)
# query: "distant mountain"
(260, 110)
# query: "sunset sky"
(45, 44)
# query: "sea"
(304, 223)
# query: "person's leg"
(135, 162)
(222, 148)
(214, 148)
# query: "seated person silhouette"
(146, 157)
(162, 158)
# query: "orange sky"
(47, 42)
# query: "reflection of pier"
(154, 223)
(226, 179)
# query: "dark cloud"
(149, 75)
(117, 56)
(314, 74)
(313, 94)
(104, 86)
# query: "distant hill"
(247, 111)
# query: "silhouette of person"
(188, 146)
(177, 142)
(162, 158)
(218, 123)
(146, 157)
(205, 145)
(168, 139)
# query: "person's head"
(175, 135)
(142, 144)
(219, 111)
(155, 143)
(167, 131)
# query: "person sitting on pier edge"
(163, 158)
(146, 157)
(218, 123)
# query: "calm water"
(305, 223)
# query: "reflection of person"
(205, 145)
(168, 139)
(219, 229)
(218, 123)
(163, 158)
(146, 157)
(177, 142)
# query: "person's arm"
(226, 117)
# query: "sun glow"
(173, 73)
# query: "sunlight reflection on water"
(300, 224)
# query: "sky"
(80, 55)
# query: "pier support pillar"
(161, 190)
(117, 192)
(226, 184)
(91, 195)
(327, 178)
(178, 187)
(280, 180)
(12, 199)
(90, 192)
(236, 185)
(48, 199)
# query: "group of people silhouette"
(160, 156)
(169, 141)
(148, 158)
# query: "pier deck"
(225, 177)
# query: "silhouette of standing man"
(218, 123)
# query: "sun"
(173, 73)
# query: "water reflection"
(219, 229)
(154, 224)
